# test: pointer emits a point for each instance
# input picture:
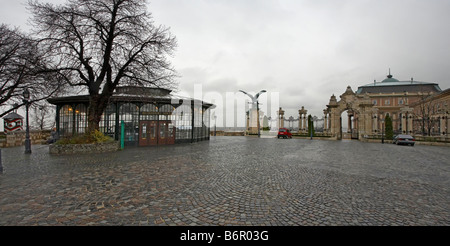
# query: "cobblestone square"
(230, 181)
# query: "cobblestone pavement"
(230, 181)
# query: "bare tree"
(100, 44)
(22, 65)
(41, 115)
(425, 110)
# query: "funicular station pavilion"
(152, 116)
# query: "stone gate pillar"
(442, 125)
(334, 118)
(447, 124)
(375, 123)
(404, 127)
(281, 118)
(410, 123)
(407, 124)
(302, 126)
(365, 117)
(325, 120)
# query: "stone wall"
(17, 138)
(65, 149)
(223, 133)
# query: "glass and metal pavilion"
(152, 116)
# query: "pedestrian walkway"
(230, 181)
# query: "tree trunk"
(97, 105)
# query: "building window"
(374, 102)
(129, 113)
(387, 102)
(148, 112)
(400, 101)
(108, 121)
(166, 112)
(198, 122)
(66, 121)
(183, 124)
(80, 119)
(207, 120)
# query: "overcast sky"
(304, 50)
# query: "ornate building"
(368, 107)
(151, 116)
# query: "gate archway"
(360, 111)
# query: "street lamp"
(26, 100)
(215, 124)
(255, 101)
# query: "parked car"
(404, 139)
(284, 133)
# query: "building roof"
(12, 116)
(393, 85)
(134, 94)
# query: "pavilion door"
(170, 133)
(166, 133)
(148, 133)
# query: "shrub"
(94, 137)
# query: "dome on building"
(393, 85)
(390, 78)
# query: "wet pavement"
(230, 181)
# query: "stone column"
(281, 118)
(329, 122)
(305, 122)
(302, 119)
(447, 124)
(333, 125)
(248, 121)
(442, 125)
(410, 123)
(349, 122)
(404, 126)
(375, 123)
(325, 120)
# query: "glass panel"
(108, 121)
(152, 130)
(129, 113)
(165, 112)
(80, 119)
(162, 130)
(170, 130)
(144, 131)
(183, 122)
(66, 120)
(148, 112)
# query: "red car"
(284, 133)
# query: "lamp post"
(215, 124)
(255, 101)
(26, 100)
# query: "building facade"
(431, 114)
(369, 105)
(151, 116)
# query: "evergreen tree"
(310, 126)
(388, 128)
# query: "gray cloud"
(306, 50)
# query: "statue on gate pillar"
(302, 120)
